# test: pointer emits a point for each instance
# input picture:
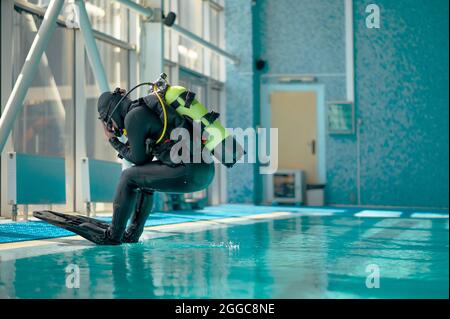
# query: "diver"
(147, 123)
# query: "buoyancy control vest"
(180, 100)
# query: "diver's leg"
(143, 209)
(186, 178)
(123, 204)
(154, 176)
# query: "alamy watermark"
(260, 144)
(72, 276)
(373, 277)
(373, 19)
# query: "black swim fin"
(92, 229)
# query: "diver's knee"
(128, 176)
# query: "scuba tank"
(219, 142)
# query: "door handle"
(313, 147)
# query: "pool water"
(295, 257)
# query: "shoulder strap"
(187, 96)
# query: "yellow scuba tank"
(179, 96)
(219, 140)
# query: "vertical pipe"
(15, 102)
(91, 47)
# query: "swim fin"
(91, 229)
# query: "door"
(294, 113)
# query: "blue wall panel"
(40, 179)
(103, 178)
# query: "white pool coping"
(25, 249)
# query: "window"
(195, 84)
(43, 126)
(109, 17)
(216, 37)
(190, 17)
(115, 62)
(204, 19)
(40, 3)
(190, 55)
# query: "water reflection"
(302, 257)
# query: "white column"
(349, 51)
(152, 46)
(80, 120)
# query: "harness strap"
(187, 96)
(211, 116)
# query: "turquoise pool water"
(295, 257)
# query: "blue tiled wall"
(401, 75)
(239, 91)
(296, 32)
(402, 97)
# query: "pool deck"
(27, 234)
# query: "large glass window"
(109, 17)
(113, 19)
(216, 33)
(115, 62)
(206, 20)
(106, 16)
(190, 17)
(41, 3)
(41, 127)
(45, 125)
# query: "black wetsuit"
(137, 183)
(142, 121)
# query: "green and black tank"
(220, 143)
